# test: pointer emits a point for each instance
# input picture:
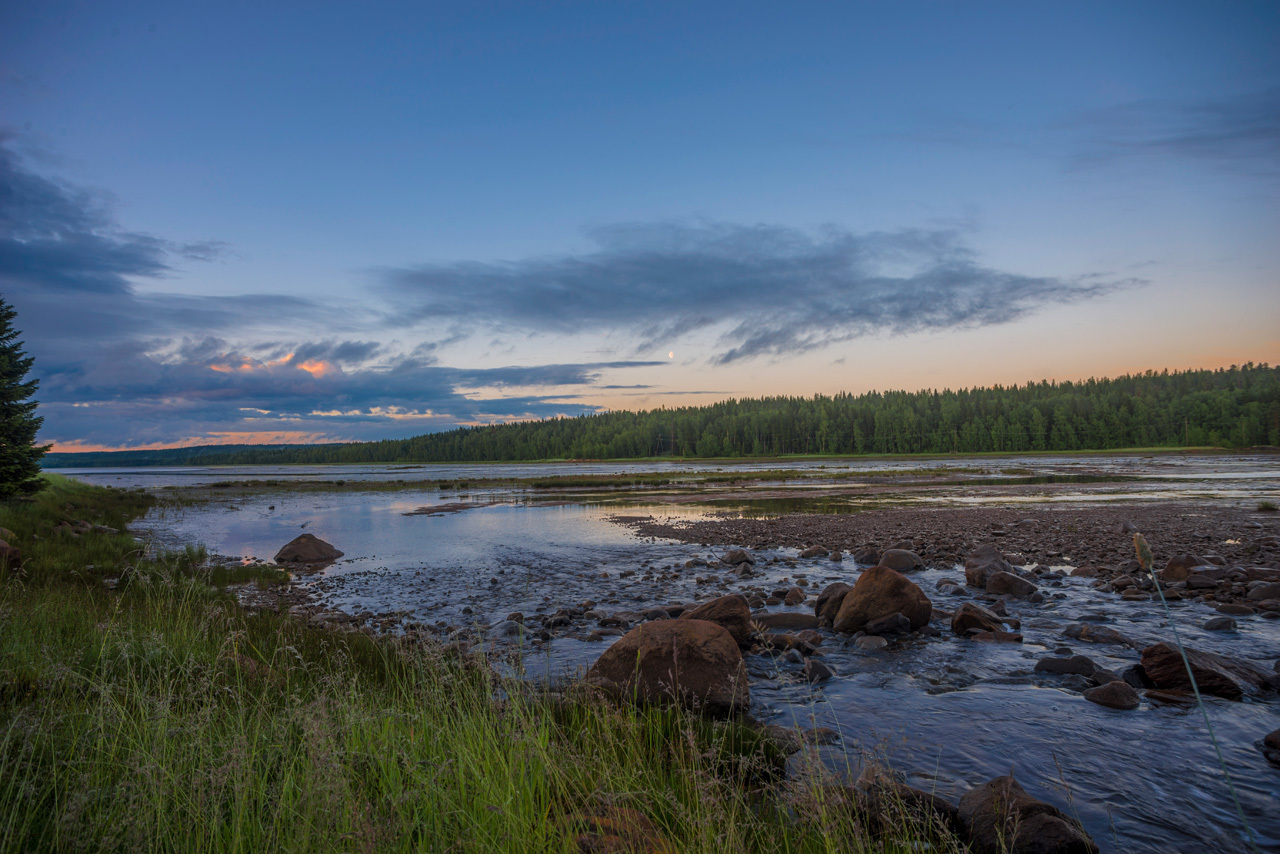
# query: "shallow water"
(949, 713)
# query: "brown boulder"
(307, 548)
(888, 806)
(1215, 674)
(1008, 584)
(794, 596)
(982, 562)
(733, 557)
(1179, 567)
(971, 616)
(1113, 695)
(901, 560)
(880, 592)
(730, 612)
(999, 817)
(829, 601)
(814, 551)
(785, 620)
(10, 556)
(694, 663)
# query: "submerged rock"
(1113, 695)
(694, 663)
(881, 592)
(999, 817)
(307, 548)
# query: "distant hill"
(1230, 407)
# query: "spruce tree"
(19, 455)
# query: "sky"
(315, 222)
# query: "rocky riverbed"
(1042, 649)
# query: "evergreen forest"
(1230, 408)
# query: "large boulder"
(999, 817)
(983, 562)
(307, 548)
(1008, 584)
(733, 557)
(10, 556)
(901, 560)
(880, 592)
(693, 663)
(815, 551)
(829, 602)
(1215, 674)
(970, 616)
(1114, 695)
(730, 612)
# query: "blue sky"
(317, 222)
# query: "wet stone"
(1220, 624)
(1114, 695)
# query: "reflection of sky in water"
(949, 713)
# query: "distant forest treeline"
(1233, 407)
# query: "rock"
(307, 548)
(867, 556)
(970, 616)
(786, 620)
(1220, 624)
(1114, 695)
(788, 740)
(1101, 676)
(1136, 677)
(1098, 634)
(794, 596)
(870, 643)
(1232, 609)
(999, 817)
(617, 830)
(982, 562)
(1215, 674)
(894, 624)
(1008, 584)
(1271, 747)
(814, 551)
(731, 613)
(880, 592)
(901, 560)
(888, 806)
(1263, 592)
(816, 671)
(695, 663)
(10, 556)
(1085, 572)
(836, 556)
(506, 629)
(1179, 567)
(1078, 664)
(829, 601)
(733, 557)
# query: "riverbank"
(141, 708)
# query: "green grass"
(142, 709)
(1267, 507)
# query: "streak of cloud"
(770, 290)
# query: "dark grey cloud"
(1241, 132)
(120, 366)
(776, 290)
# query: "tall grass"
(157, 715)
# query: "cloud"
(772, 290)
(1241, 132)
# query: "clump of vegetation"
(141, 707)
(1267, 507)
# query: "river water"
(946, 712)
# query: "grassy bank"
(142, 709)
